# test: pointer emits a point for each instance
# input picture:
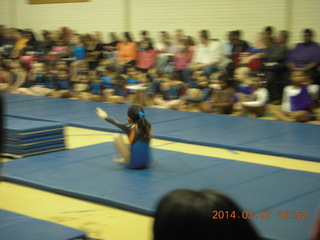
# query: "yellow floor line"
(267, 160)
(79, 137)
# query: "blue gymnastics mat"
(294, 140)
(15, 226)
(28, 137)
(90, 174)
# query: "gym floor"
(103, 222)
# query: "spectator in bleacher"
(184, 57)
(282, 38)
(252, 57)
(7, 42)
(58, 50)
(79, 48)
(174, 47)
(5, 77)
(112, 45)
(127, 52)
(164, 42)
(189, 215)
(256, 103)
(94, 50)
(146, 56)
(306, 55)
(233, 48)
(32, 44)
(299, 99)
(221, 101)
(164, 59)
(269, 31)
(144, 37)
(275, 69)
(20, 43)
(18, 75)
(208, 57)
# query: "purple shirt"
(304, 54)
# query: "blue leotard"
(140, 150)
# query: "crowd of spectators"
(182, 72)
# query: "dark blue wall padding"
(295, 140)
(89, 173)
(15, 226)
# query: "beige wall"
(218, 16)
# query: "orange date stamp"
(286, 214)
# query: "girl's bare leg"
(123, 149)
(283, 116)
(301, 116)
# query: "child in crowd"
(137, 155)
(60, 49)
(171, 90)
(256, 103)
(36, 81)
(146, 56)
(183, 58)
(95, 83)
(242, 75)
(198, 96)
(36, 74)
(18, 76)
(78, 47)
(81, 86)
(222, 96)
(63, 80)
(299, 99)
(5, 77)
(118, 93)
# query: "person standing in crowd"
(208, 57)
(234, 48)
(306, 55)
(127, 52)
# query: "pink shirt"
(146, 59)
(182, 60)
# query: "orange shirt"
(127, 51)
(21, 43)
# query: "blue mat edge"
(78, 196)
(225, 146)
(79, 233)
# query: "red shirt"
(182, 60)
(146, 59)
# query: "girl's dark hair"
(127, 35)
(149, 42)
(309, 31)
(188, 215)
(137, 116)
(225, 78)
(204, 34)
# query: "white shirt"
(262, 95)
(290, 91)
(213, 52)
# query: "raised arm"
(123, 126)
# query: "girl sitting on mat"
(138, 129)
